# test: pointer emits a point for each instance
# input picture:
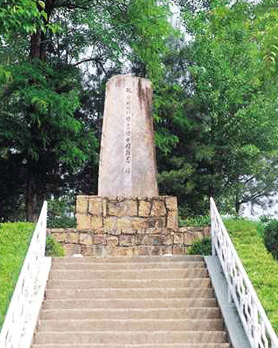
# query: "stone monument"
(127, 157)
(128, 207)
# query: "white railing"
(255, 322)
(21, 317)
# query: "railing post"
(212, 228)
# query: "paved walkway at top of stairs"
(138, 302)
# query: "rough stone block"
(207, 231)
(188, 238)
(124, 223)
(178, 250)
(138, 223)
(125, 251)
(83, 222)
(95, 206)
(82, 204)
(96, 223)
(71, 249)
(166, 239)
(144, 208)
(124, 207)
(73, 237)
(86, 250)
(149, 240)
(86, 238)
(171, 203)
(110, 225)
(112, 241)
(172, 220)
(166, 250)
(127, 240)
(99, 239)
(60, 236)
(178, 238)
(104, 207)
(158, 208)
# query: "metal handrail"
(255, 322)
(21, 309)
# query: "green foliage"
(271, 237)
(198, 221)
(53, 248)
(259, 264)
(200, 247)
(14, 242)
(60, 213)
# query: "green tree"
(51, 108)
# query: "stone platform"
(127, 227)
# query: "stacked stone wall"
(126, 215)
(128, 243)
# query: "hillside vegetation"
(14, 241)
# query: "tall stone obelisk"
(127, 157)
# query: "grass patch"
(259, 264)
(14, 241)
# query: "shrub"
(200, 247)
(271, 237)
(197, 221)
(53, 248)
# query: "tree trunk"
(31, 198)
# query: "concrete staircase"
(137, 302)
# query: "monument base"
(136, 226)
(122, 215)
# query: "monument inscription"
(127, 157)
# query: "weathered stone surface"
(71, 249)
(144, 208)
(82, 204)
(122, 208)
(83, 222)
(99, 239)
(96, 223)
(60, 236)
(127, 157)
(95, 206)
(139, 223)
(171, 203)
(73, 237)
(178, 250)
(166, 239)
(86, 238)
(158, 208)
(207, 231)
(149, 240)
(188, 238)
(127, 240)
(178, 238)
(112, 241)
(172, 220)
(104, 207)
(110, 225)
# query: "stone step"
(105, 293)
(94, 325)
(107, 345)
(79, 265)
(132, 259)
(139, 337)
(133, 313)
(169, 273)
(130, 283)
(130, 303)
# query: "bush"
(200, 247)
(61, 213)
(53, 248)
(271, 237)
(195, 221)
